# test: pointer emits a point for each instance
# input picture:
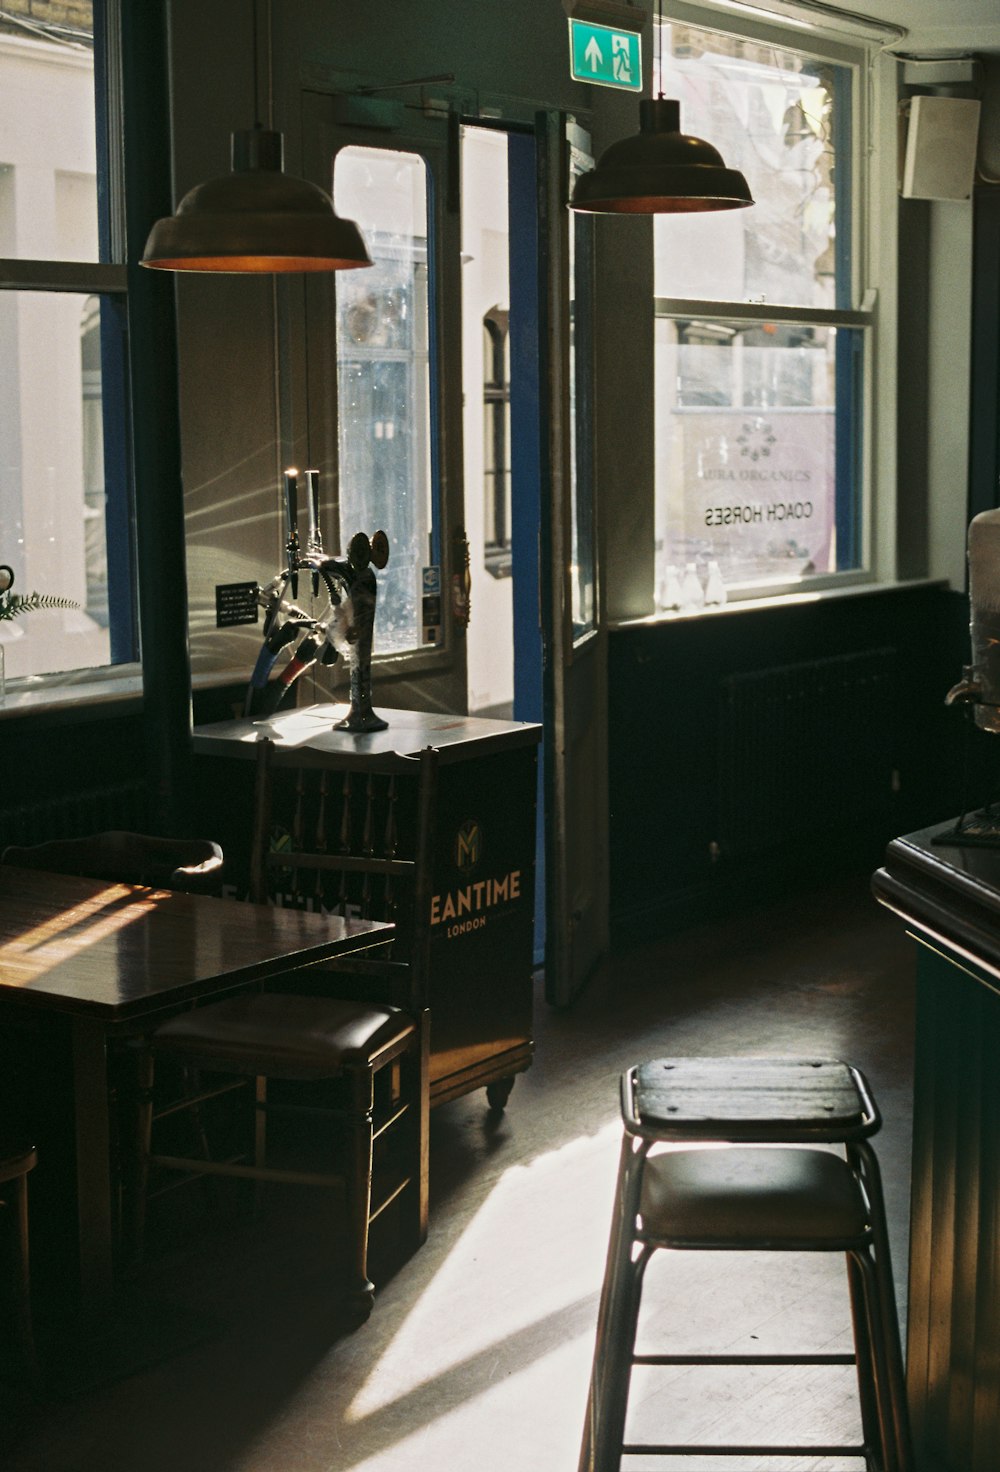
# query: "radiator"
(805, 749)
(73, 815)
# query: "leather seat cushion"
(745, 1195)
(281, 1036)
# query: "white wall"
(485, 284)
(949, 309)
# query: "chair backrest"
(190, 864)
(353, 839)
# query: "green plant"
(12, 604)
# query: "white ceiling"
(938, 26)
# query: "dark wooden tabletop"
(119, 950)
(948, 893)
(312, 729)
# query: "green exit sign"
(603, 55)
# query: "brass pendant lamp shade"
(660, 171)
(256, 219)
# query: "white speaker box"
(941, 142)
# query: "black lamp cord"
(659, 47)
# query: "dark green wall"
(666, 742)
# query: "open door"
(373, 398)
(575, 645)
(377, 406)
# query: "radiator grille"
(805, 749)
(74, 815)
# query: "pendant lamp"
(660, 170)
(255, 219)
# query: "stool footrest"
(653, 1449)
(744, 1359)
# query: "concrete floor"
(477, 1356)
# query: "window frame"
(861, 320)
(107, 280)
(869, 287)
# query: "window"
(383, 378)
(64, 503)
(761, 348)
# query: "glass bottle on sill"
(692, 593)
(715, 588)
(670, 591)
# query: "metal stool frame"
(878, 1353)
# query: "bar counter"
(949, 898)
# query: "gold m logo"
(468, 845)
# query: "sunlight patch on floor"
(522, 1278)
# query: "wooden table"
(115, 957)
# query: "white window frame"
(873, 297)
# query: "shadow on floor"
(478, 1351)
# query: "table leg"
(93, 1163)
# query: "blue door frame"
(526, 470)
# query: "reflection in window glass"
(771, 113)
(52, 479)
(55, 383)
(95, 544)
(759, 423)
(48, 187)
(383, 378)
(747, 448)
(496, 441)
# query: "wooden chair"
(15, 1165)
(358, 844)
(190, 864)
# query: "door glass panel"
(583, 567)
(383, 379)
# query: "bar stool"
(756, 1195)
(14, 1167)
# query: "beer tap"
(292, 517)
(314, 540)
